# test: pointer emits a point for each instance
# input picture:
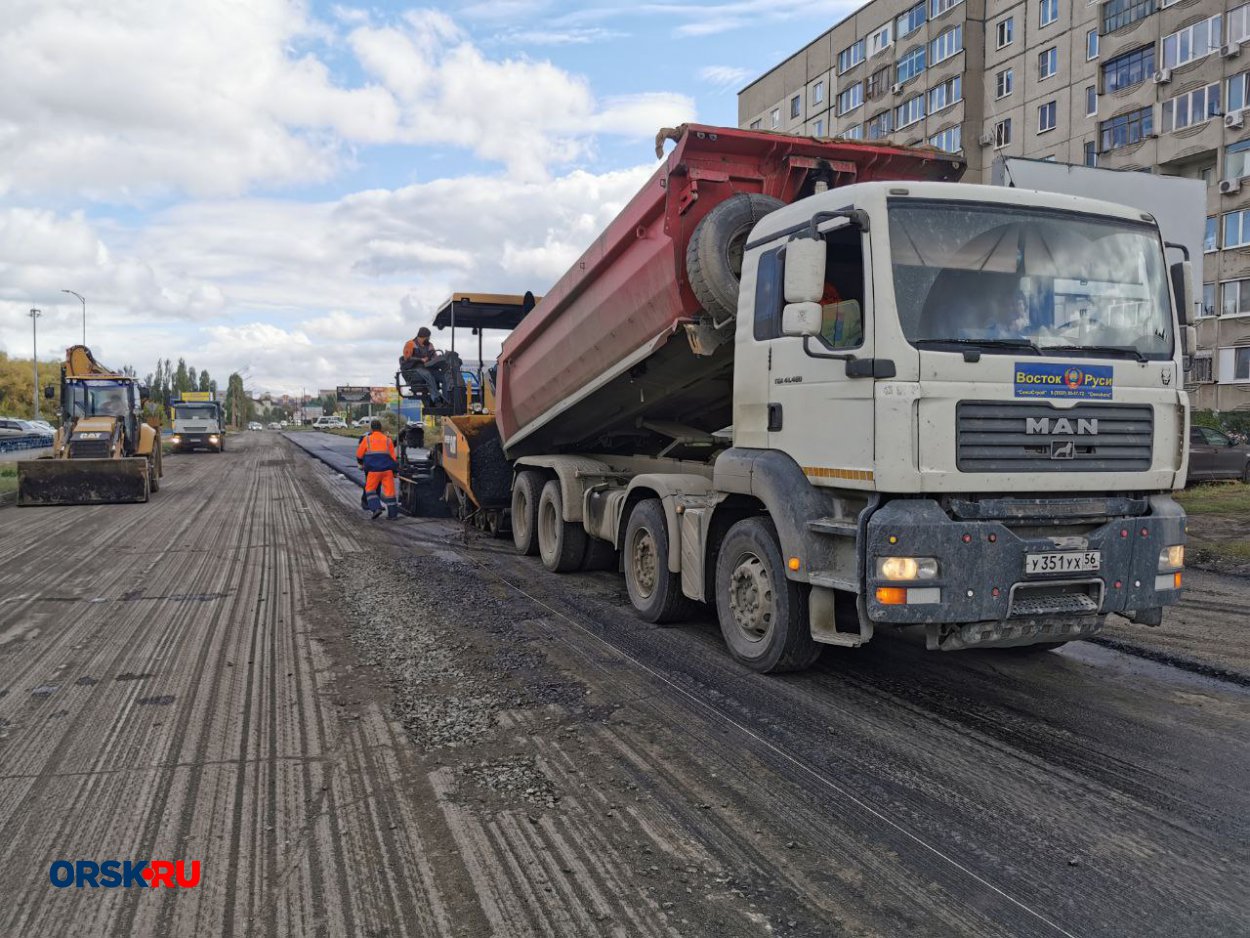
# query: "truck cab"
(971, 399)
(198, 424)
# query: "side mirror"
(49, 393)
(1183, 286)
(805, 270)
(801, 319)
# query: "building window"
(854, 133)
(880, 126)
(878, 83)
(1091, 45)
(1209, 244)
(1239, 23)
(911, 20)
(946, 45)
(1047, 114)
(1003, 83)
(1005, 30)
(944, 95)
(1202, 369)
(796, 106)
(1238, 86)
(1236, 298)
(949, 140)
(1091, 100)
(1116, 14)
(1126, 129)
(1207, 307)
(1237, 160)
(1091, 153)
(1239, 359)
(776, 117)
(1048, 12)
(818, 93)
(851, 56)
(1197, 107)
(1047, 63)
(1236, 232)
(1002, 133)
(1192, 42)
(938, 7)
(1128, 69)
(819, 129)
(879, 41)
(851, 98)
(909, 112)
(911, 64)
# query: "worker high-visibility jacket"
(376, 452)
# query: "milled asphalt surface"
(402, 728)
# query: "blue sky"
(289, 189)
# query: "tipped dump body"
(604, 351)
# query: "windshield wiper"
(982, 343)
(1104, 349)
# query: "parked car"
(11, 427)
(43, 425)
(329, 423)
(361, 421)
(275, 426)
(282, 424)
(1212, 455)
(38, 428)
(254, 426)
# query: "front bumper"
(194, 440)
(981, 566)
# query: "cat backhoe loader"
(104, 452)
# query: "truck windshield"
(1006, 278)
(195, 411)
(98, 397)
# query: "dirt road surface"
(395, 728)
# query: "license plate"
(1063, 562)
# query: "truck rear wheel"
(561, 544)
(763, 616)
(154, 470)
(654, 590)
(525, 494)
(714, 255)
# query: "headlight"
(1172, 558)
(907, 568)
(213, 438)
(175, 438)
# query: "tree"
(206, 383)
(17, 387)
(238, 404)
(182, 381)
(193, 379)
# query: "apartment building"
(1126, 84)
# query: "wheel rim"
(752, 599)
(642, 553)
(521, 516)
(547, 521)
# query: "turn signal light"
(891, 595)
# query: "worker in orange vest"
(376, 456)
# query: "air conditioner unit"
(1231, 50)
(897, 89)
(1163, 76)
(1230, 186)
(1234, 120)
(987, 140)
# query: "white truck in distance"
(198, 423)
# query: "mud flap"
(82, 481)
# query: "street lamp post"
(83, 300)
(34, 349)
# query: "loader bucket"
(82, 481)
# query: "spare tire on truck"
(714, 255)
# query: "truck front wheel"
(763, 616)
(654, 590)
(561, 544)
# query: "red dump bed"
(629, 289)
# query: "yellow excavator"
(104, 452)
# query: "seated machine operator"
(423, 364)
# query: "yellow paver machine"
(104, 452)
(453, 462)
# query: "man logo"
(1062, 426)
(1063, 450)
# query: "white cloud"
(725, 76)
(296, 294)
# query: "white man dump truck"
(198, 423)
(823, 388)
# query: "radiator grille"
(90, 449)
(993, 436)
